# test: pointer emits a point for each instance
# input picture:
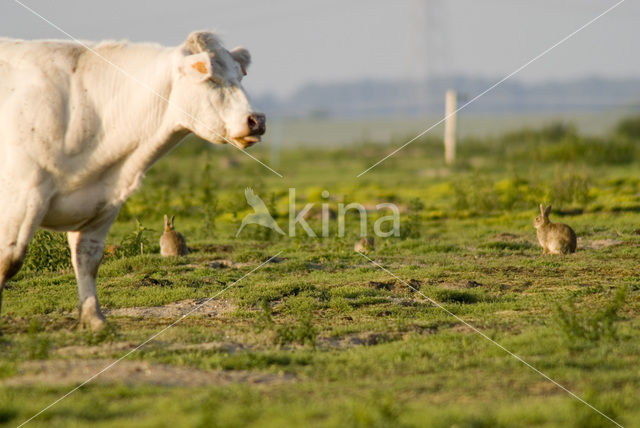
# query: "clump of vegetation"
(560, 142)
(7, 413)
(411, 228)
(215, 408)
(48, 252)
(38, 344)
(208, 200)
(570, 187)
(480, 194)
(457, 296)
(380, 410)
(133, 244)
(478, 197)
(300, 330)
(109, 333)
(209, 212)
(264, 317)
(554, 132)
(585, 417)
(628, 128)
(590, 150)
(590, 326)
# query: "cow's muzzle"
(255, 127)
(257, 123)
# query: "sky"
(294, 43)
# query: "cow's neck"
(147, 153)
(153, 133)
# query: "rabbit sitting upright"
(364, 245)
(172, 243)
(555, 238)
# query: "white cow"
(78, 130)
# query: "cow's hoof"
(93, 324)
(90, 315)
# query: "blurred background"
(331, 72)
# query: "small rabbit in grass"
(555, 238)
(172, 243)
(364, 245)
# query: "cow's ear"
(198, 66)
(242, 57)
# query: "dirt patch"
(108, 350)
(176, 309)
(226, 263)
(462, 328)
(598, 244)
(103, 350)
(358, 339)
(316, 266)
(507, 237)
(473, 284)
(227, 347)
(508, 313)
(397, 286)
(385, 285)
(70, 372)
(148, 281)
(543, 388)
(211, 249)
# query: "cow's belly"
(73, 211)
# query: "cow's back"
(47, 56)
(34, 96)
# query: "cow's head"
(208, 90)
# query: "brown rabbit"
(364, 245)
(172, 243)
(555, 238)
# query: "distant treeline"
(388, 98)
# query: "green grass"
(350, 344)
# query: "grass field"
(322, 337)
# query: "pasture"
(322, 337)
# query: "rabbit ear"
(547, 211)
(165, 221)
(541, 209)
(172, 219)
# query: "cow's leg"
(21, 214)
(11, 258)
(87, 247)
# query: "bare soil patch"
(107, 350)
(598, 244)
(176, 309)
(226, 263)
(70, 372)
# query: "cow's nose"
(256, 122)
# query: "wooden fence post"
(451, 105)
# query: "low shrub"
(589, 326)
(48, 252)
